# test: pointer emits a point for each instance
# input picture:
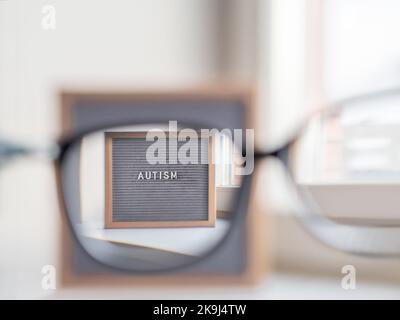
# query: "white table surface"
(274, 286)
(188, 241)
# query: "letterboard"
(170, 194)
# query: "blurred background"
(299, 55)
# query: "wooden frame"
(256, 225)
(108, 221)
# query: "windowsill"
(377, 202)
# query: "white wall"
(362, 50)
(125, 43)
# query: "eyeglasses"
(143, 197)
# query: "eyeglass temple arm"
(9, 150)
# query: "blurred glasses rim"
(318, 226)
(359, 239)
(68, 142)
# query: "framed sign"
(165, 193)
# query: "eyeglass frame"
(315, 224)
